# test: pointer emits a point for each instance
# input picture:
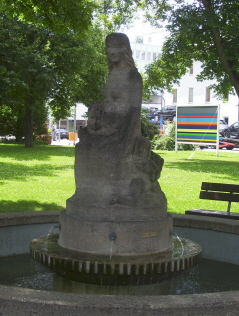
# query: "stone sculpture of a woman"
(112, 153)
(115, 171)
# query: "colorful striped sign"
(197, 124)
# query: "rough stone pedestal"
(121, 237)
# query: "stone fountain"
(116, 225)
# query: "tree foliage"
(52, 54)
(39, 66)
(206, 31)
(76, 15)
(57, 15)
(80, 69)
(24, 82)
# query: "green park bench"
(219, 192)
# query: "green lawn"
(35, 179)
(42, 178)
(184, 172)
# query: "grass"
(184, 172)
(35, 179)
(42, 178)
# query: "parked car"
(231, 131)
(222, 144)
(63, 133)
(167, 112)
(151, 112)
(223, 125)
(9, 137)
(153, 109)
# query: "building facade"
(189, 91)
(192, 92)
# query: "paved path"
(64, 142)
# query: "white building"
(146, 49)
(192, 92)
(77, 121)
(189, 91)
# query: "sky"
(140, 28)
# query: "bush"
(148, 129)
(163, 142)
(43, 139)
(166, 141)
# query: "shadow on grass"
(226, 169)
(40, 152)
(23, 172)
(27, 206)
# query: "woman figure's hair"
(120, 40)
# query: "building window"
(154, 56)
(208, 97)
(191, 70)
(149, 39)
(143, 55)
(190, 95)
(137, 54)
(175, 95)
(149, 56)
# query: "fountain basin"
(219, 239)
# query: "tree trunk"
(29, 123)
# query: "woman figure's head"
(118, 50)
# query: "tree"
(57, 15)
(38, 65)
(76, 15)
(206, 31)
(24, 81)
(63, 61)
(82, 72)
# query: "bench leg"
(229, 207)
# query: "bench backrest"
(220, 191)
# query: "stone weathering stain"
(118, 211)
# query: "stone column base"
(121, 238)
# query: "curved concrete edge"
(26, 218)
(19, 301)
(22, 302)
(180, 220)
(206, 222)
